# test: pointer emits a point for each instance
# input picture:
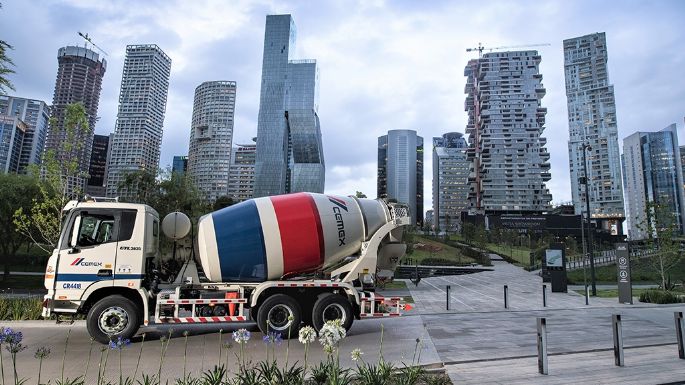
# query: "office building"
(653, 173)
(97, 172)
(289, 155)
(509, 161)
(241, 173)
(142, 104)
(36, 115)
(592, 122)
(682, 159)
(79, 80)
(400, 170)
(450, 181)
(211, 137)
(12, 131)
(180, 164)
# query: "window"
(94, 229)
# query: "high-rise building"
(653, 173)
(509, 161)
(142, 104)
(12, 131)
(79, 79)
(180, 164)
(592, 122)
(36, 115)
(97, 172)
(400, 170)
(241, 174)
(682, 160)
(450, 181)
(211, 137)
(289, 155)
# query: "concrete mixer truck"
(281, 261)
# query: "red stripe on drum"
(298, 220)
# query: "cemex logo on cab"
(81, 262)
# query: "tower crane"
(87, 38)
(480, 47)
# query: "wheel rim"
(278, 317)
(333, 312)
(113, 320)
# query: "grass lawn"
(396, 285)
(641, 272)
(519, 254)
(445, 252)
(611, 293)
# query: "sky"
(384, 65)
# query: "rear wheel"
(280, 314)
(330, 307)
(112, 317)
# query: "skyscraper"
(97, 172)
(400, 170)
(509, 161)
(36, 115)
(142, 104)
(592, 122)
(180, 164)
(241, 174)
(12, 131)
(450, 181)
(652, 173)
(79, 79)
(211, 137)
(289, 155)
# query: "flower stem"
(140, 353)
(90, 351)
(64, 356)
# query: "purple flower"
(119, 343)
(272, 338)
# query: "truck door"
(87, 256)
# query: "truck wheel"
(111, 317)
(330, 307)
(277, 310)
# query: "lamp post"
(589, 227)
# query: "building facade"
(592, 122)
(12, 131)
(79, 79)
(400, 170)
(241, 174)
(97, 172)
(140, 119)
(451, 169)
(180, 164)
(36, 115)
(509, 161)
(211, 137)
(653, 174)
(289, 154)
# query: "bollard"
(542, 346)
(618, 339)
(447, 305)
(544, 295)
(679, 329)
(587, 296)
(506, 297)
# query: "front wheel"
(330, 307)
(280, 313)
(112, 317)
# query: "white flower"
(331, 333)
(241, 336)
(356, 354)
(307, 335)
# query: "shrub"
(659, 296)
(20, 309)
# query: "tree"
(664, 236)
(222, 202)
(16, 192)
(468, 231)
(59, 173)
(360, 194)
(5, 66)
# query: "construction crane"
(480, 47)
(86, 38)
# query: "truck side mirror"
(75, 233)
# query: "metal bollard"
(506, 297)
(542, 346)
(447, 305)
(679, 330)
(544, 295)
(587, 295)
(618, 339)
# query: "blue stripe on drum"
(240, 243)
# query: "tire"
(113, 316)
(330, 307)
(276, 309)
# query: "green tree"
(222, 202)
(6, 65)
(468, 231)
(60, 176)
(360, 194)
(663, 236)
(17, 192)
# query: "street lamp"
(589, 227)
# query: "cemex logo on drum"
(339, 204)
(81, 262)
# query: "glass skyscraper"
(592, 121)
(289, 153)
(211, 137)
(36, 115)
(450, 181)
(653, 173)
